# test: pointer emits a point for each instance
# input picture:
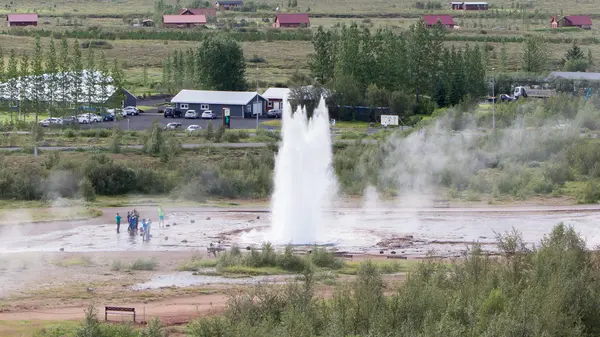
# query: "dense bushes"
(287, 260)
(546, 291)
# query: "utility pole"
(256, 105)
(493, 101)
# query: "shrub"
(86, 190)
(97, 44)
(143, 264)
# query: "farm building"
(469, 6)
(11, 90)
(289, 20)
(444, 19)
(229, 4)
(581, 21)
(183, 21)
(275, 97)
(208, 12)
(241, 104)
(19, 20)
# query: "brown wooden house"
(581, 21)
(289, 20)
(229, 4)
(208, 12)
(469, 6)
(183, 21)
(444, 19)
(20, 20)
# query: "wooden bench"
(214, 250)
(399, 257)
(343, 255)
(119, 310)
(441, 203)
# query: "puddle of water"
(351, 230)
(187, 279)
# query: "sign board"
(226, 111)
(333, 122)
(389, 120)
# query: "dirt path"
(170, 311)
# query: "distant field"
(120, 7)
(283, 58)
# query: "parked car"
(192, 128)
(131, 111)
(208, 115)
(173, 126)
(70, 120)
(108, 117)
(191, 114)
(93, 117)
(49, 121)
(172, 112)
(274, 113)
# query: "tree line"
(57, 78)
(409, 72)
(217, 64)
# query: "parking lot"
(144, 121)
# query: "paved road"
(185, 146)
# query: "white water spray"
(304, 179)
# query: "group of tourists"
(133, 221)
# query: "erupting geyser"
(304, 179)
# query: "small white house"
(275, 96)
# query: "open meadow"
(466, 218)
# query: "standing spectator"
(118, 218)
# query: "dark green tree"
(457, 81)
(38, 83)
(2, 73)
(322, 61)
(535, 55)
(77, 76)
(24, 85)
(503, 57)
(575, 53)
(441, 93)
(104, 82)
(64, 68)
(91, 78)
(145, 75)
(51, 71)
(167, 81)
(118, 80)
(12, 74)
(222, 65)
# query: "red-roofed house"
(581, 21)
(22, 20)
(182, 21)
(291, 20)
(444, 19)
(208, 12)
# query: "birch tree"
(90, 78)
(118, 79)
(12, 74)
(38, 83)
(104, 81)
(76, 75)
(64, 67)
(51, 76)
(2, 74)
(24, 86)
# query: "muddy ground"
(52, 271)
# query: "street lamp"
(493, 101)
(256, 105)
